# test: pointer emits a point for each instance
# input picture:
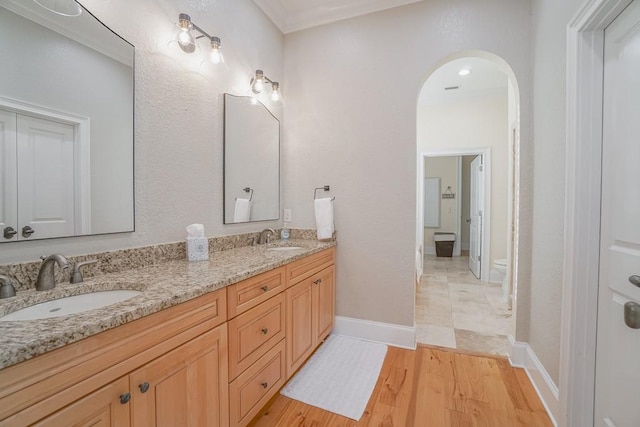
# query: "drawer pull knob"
(265, 288)
(144, 387)
(317, 282)
(264, 385)
(125, 398)
(265, 331)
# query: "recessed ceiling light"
(464, 72)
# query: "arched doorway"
(468, 111)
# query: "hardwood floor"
(431, 387)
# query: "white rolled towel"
(242, 211)
(324, 218)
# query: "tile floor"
(456, 310)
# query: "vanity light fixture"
(61, 7)
(258, 83)
(188, 42)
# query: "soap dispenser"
(284, 234)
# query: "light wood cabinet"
(77, 375)
(185, 387)
(299, 325)
(194, 364)
(254, 332)
(249, 293)
(310, 316)
(324, 307)
(108, 406)
(253, 388)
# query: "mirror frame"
(224, 162)
(133, 143)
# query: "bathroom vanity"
(204, 344)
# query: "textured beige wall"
(445, 168)
(549, 21)
(475, 123)
(178, 118)
(351, 98)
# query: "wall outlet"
(287, 215)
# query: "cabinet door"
(300, 333)
(186, 387)
(324, 303)
(108, 406)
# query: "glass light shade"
(216, 51)
(257, 84)
(275, 92)
(186, 41)
(61, 7)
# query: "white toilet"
(500, 266)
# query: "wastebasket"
(444, 244)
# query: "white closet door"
(618, 338)
(476, 212)
(45, 177)
(8, 171)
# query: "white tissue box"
(197, 249)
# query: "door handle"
(468, 220)
(27, 231)
(632, 315)
(634, 280)
(9, 232)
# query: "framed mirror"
(66, 124)
(251, 161)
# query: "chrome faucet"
(46, 279)
(265, 235)
(7, 286)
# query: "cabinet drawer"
(253, 333)
(255, 386)
(305, 267)
(247, 294)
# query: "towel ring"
(246, 190)
(325, 188)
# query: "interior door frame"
(486, 214)
(82, 151)
(585, 70)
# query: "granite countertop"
(162, 286)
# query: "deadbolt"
(634, 280)
(632, 315)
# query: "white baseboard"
(429, 250)
(386, 333)
(522, 356)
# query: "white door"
(618, 345)
(8, 171)
(476, 208)
(46, 184)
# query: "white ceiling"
(485, 79)
(295, 15)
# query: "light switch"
(287, 215)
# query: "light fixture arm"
(203, 33)
(188, 44)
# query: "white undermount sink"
(284, 248)
(70, 305)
